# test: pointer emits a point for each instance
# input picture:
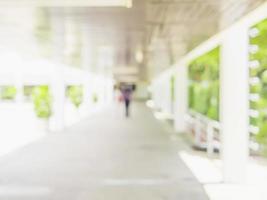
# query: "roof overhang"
(68, 3)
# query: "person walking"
(127, 96)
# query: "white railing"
(199, 121)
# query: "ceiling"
(164, 30)
(148, 35)
(183, 24)
(67, 3)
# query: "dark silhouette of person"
(127, 96)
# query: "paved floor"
(105, 157)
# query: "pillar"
(57, 88)
(234, 104)
(87, 94)
(57, 85)
(181, 104)
(19, 86)
(87, 65)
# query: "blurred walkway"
(105, 157)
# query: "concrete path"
(105, 157)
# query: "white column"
(180, 105)
(157, 95)
(165, 95)
(110, 90)
(57, 81)
(19, 87)
(87, 93)
(234, 104)
(153, 92)
(58, 102)
(167, 89)
(87, 54)
(87, 65)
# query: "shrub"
(75, 94)
(8, 92)
(260, 88)
(42, 101)
(204, 84)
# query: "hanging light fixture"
(139, 56)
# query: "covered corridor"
(194, 73)
(103, 157)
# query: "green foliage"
(204, 84)
(260, 105)
(256, 88)
(75, 93)
(213, 111)
(8, 92)
(201, 92)
(191, 94)
(261, 136)
(42, 101)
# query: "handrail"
(211, 126)
(205, 119)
